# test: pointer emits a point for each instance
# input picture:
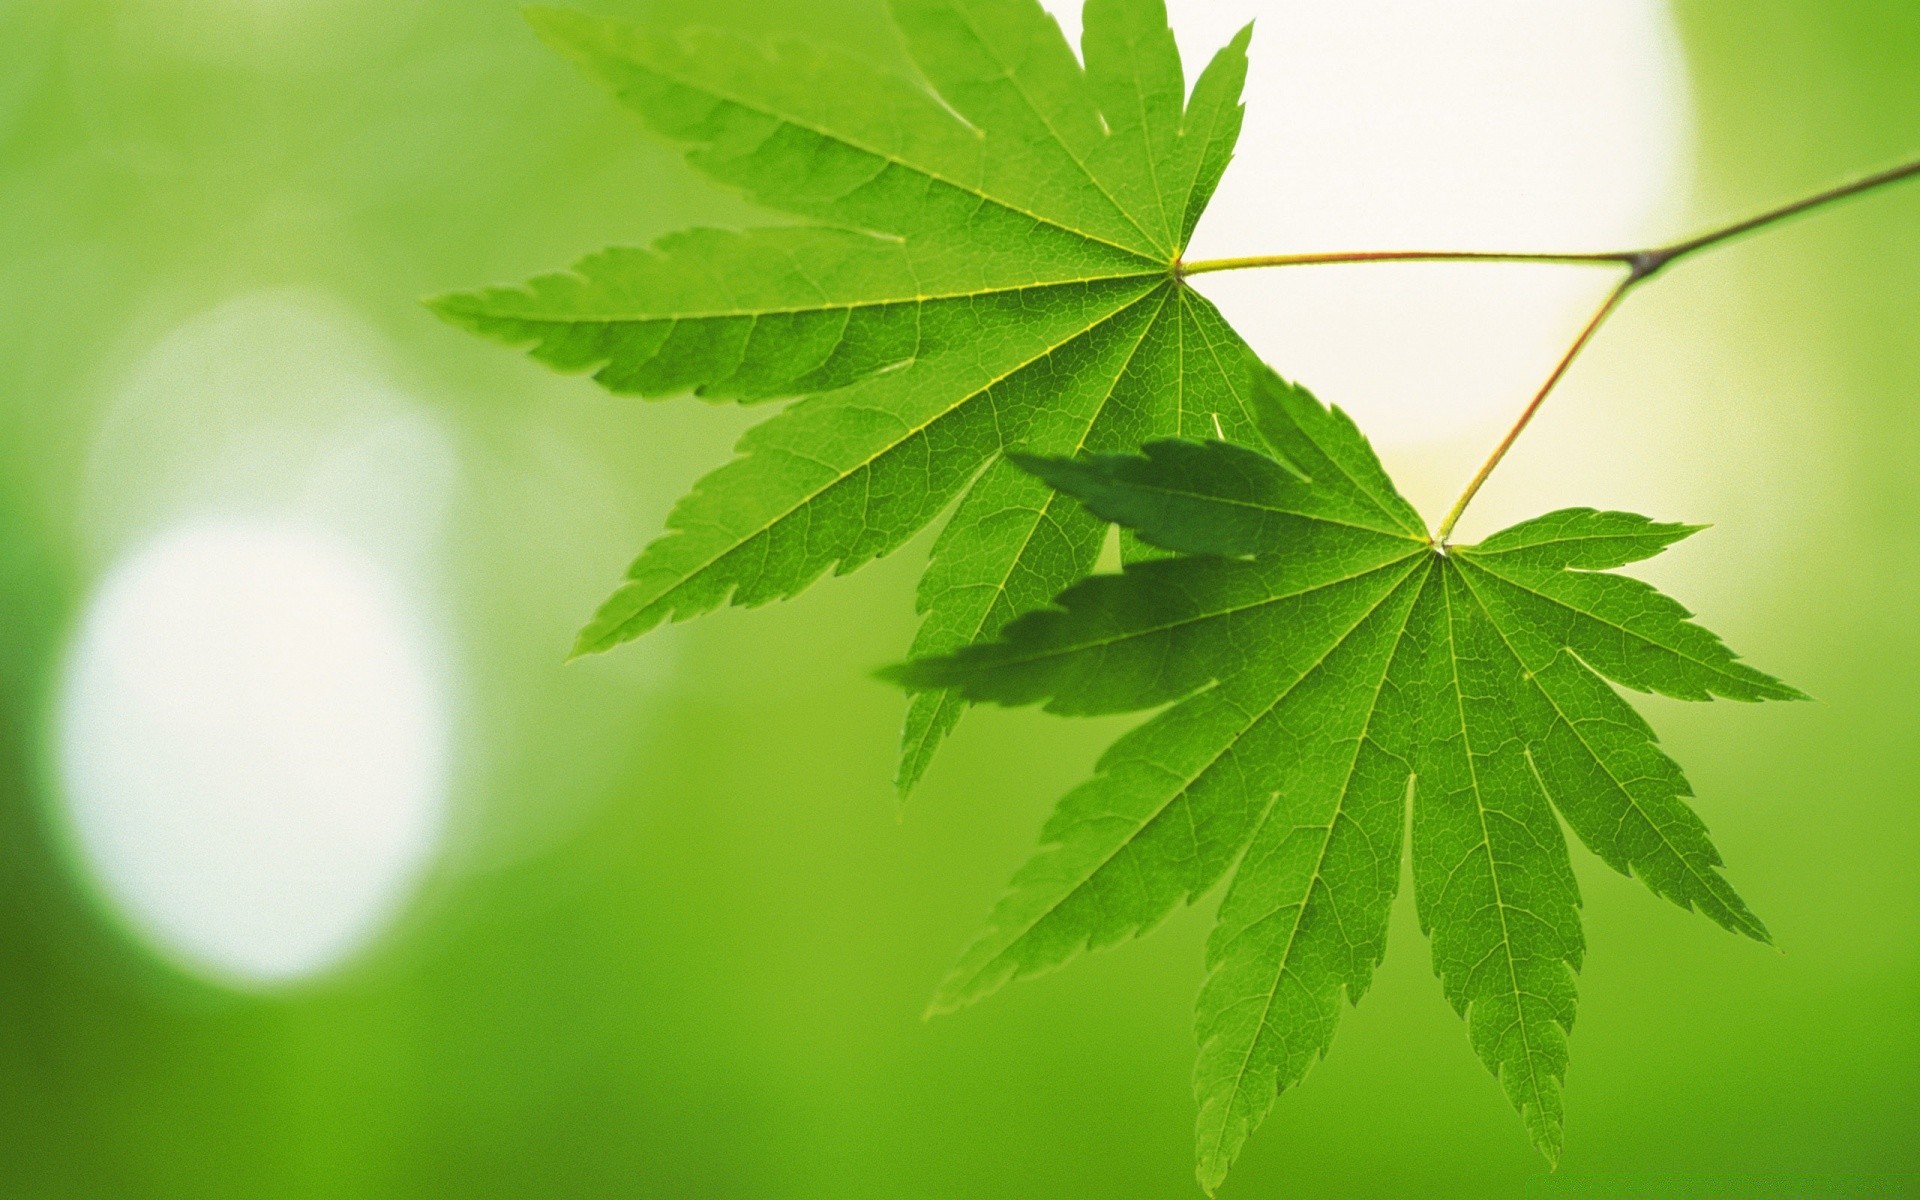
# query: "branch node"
(1645, 264)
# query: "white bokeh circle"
(254, 723)
(253, 746)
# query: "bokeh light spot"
(253, 746)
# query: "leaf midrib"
(1763, 685)
(1385, 509)
(1233, 378)
(1013, 78)
(634, 318)
(946, 696)
(1258, 507)
(1660, 544)
(1326, 842)
(1486, 841)
(721, 93)
(1214, 615)
(1186, 785)
(1747, 923)
(619, 633)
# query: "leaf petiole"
(1641, 265)
(1533, 409)
(1350, 258)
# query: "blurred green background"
(676, 939)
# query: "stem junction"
(1639, 266)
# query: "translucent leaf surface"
(1324, 665)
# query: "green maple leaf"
(991, 262)
(1327, 666)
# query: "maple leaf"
(1327, 665)
(992, 262)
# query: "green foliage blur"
(679, 940)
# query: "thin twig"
(1346, 258)
(1533, 409)
(1659, 259)
(1645, 263)
(1641, 265)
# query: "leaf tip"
(455, 308)
(593, 641)
(915, 759)
(567, 30)
(960, 989)
(940, 1006)
(1210, 1171)
(1752, 926)
(1037, 465)
(1550, 1141)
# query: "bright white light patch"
(253, 746)
(1406, 124)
